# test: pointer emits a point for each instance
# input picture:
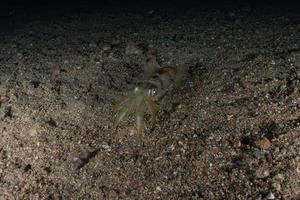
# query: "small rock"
(83, 158)
(7, 111)
(106, 147)
(2, 98)
(33, 131)
(172, 147)
(158, 189)
(92, 45)
(262, 172)
(276, 186)
(19, 55)
(279, 177)
(106, 47)
(273, 62)
(263, 143)
(271, 196)
(51, 122)
(298, 168)
(237, 144)
(132, 49)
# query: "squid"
(145, 98)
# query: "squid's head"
(137, 103)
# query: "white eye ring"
(152, 91)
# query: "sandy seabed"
(230, 131)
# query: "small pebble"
(277, 186)
(263, 143)
(33, 131)
(132, 49)
(237, 144)
(273, 62)
(106, 147)
(7, 111)
(92, 44)
(279, 177)
(20, 55)
(262, 172)
(271, 196)
(2, 98)
(106, 48)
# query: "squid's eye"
(152, 91)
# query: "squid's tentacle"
(153, 108)
(140, 118)
(120, 100)
(122, 109)
(119, 117)
(140, 112)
